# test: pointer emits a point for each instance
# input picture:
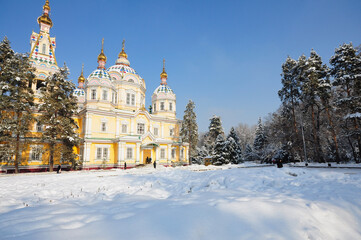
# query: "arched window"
(43, 50)
(131, 80)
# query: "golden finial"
(102, 55)
(122, 53)
(45, 17)
(47, 6)
(81, 77)
(163, 74)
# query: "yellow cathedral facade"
(114, 126)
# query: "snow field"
(194, 202)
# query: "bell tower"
(42, 52)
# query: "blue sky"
(224, 55)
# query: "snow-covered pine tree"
(346, 71)
(315, 72)
(189, 129)
(290, 92)
(58, 106)
(220, 155)
(16, 101)
(249, 155)
(260, 139)
(201, 154)
(234, 147)
(215, 129)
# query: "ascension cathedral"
(114, 126)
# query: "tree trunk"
(17, 149)
(333, 134)
(51, 157)
(358, 142)
(315, 138)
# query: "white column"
(138, 154)
(120, 152)
(169, 149)
(87, 152)
(88, 125)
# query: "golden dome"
(81, 78)
(122, 53)
(45, 19)
(102, 56)
(163, 74)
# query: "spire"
(163, 75)
(122, 53)
(44, 20)
(102, 59)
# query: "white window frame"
(43, 49)
(124, 128)
(39, 127)
(102, 151)
(173, 153)
(141, 128)
(128, 99)
(93, 94)
(162, 153)
(103, 126)
(170, 106)
(171, 132)
(133, 100)
(156, 131)
(129, 153)
(40, 153)
(182, 153)
(161, 106)
(155, 107)
(105, 95)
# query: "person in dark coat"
(147, 160)
(125, 165)
(155, 164)
(58, 169)
(279, 163)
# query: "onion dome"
(81, 78)
(123, 57)
(45, 17)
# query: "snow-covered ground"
(191, 202)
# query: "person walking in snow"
(58, 169)
(125, 165)
(279, 163)
(155, 164)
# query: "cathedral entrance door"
(146, 153)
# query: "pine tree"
(314, 74)
(260, 140)
(16, 101)
(234, 147)
(346, 71)
(215, 129)
(290, 92)
(57, 108)
(249, 155)
(220, 155)
(189, 129)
